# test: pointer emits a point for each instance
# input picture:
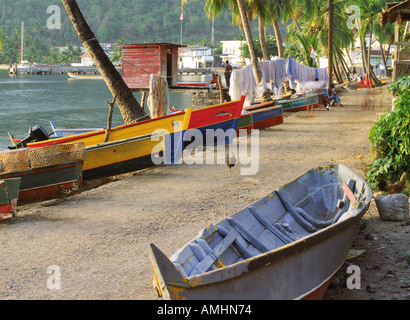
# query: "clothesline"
(274, 72)
(300, 73)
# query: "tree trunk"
(330, 42)
(337, 71)
(383, 55)
(262, 39)
(369, 66)
(249, 39)
(127, 104)
(363, 52)
(278, 37)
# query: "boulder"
(394, 207)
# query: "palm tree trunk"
(337, 71)
(363, 52)
(383, 54)
(129, 107)
(262, 38)
(278, 37)
(369, 66)
(330, 42)
(249, 40)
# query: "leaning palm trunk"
(262, 38)
(249, 40)
(129, 107)
(278, 37)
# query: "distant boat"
(289, 105)
(84, 76)
(288, 245)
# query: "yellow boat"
(128, 147)
(143, 144)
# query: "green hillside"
(138, 21)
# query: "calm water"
(28, 100)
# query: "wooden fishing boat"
(300, 104)
(9, 191)
(222, 116)
(288, 245)
(84, 76)
(192, 84)
(46, 173)
(143, 144)
(267, 117)
(128, 147)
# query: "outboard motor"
(36, 133)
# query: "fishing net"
(29, 158)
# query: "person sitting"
(333, 96)
(214, 82)
(320, 91)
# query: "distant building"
(86, 60)
(142, 60)
(231, 51)
(195, 57)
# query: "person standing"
(228, 71)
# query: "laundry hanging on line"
(243, 81)
(274, 72)
(298, 73)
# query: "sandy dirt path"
(99, 239)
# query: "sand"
(97, 242)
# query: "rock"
(393, 207)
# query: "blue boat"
(288, 245)
(65, 132)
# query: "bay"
(29, 100)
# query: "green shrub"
(390, 137)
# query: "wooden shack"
(398, 13)
(142, 60)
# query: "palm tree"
(127, 104)
(370, 10)
(215, 7)
(117, 51)
(314, 25)
(70, 54)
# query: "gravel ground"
(98, 240)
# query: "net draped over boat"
(29, 158)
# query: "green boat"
(9, 191)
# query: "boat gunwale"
(98, 132)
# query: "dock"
(52, 69)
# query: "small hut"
(142, 60)
(398, 13)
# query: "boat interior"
(316, 200)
